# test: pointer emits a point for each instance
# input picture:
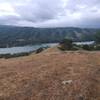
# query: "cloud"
(50, 13)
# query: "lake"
(28, 48)
(85, 43)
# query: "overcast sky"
(50, 13)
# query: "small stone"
(67, 82)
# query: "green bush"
(86, 47)
(66, 44)
(97, 47)
(6, 56)
(39, 50)
(97, 37)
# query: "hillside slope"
(51, 75)
(18, 36)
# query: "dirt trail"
(42, 76)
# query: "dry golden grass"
(40, 76)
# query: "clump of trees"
(39, 50)
(66, 44)
(97, 40)
(6, 56)
(97, 37)
(86, 47)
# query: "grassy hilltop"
(51, 75)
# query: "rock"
(67, 82)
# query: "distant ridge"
(19, 36)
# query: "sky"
(50, 13)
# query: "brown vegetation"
(41, 76)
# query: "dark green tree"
(66, 44)
(39, 50)
(86, 47)
(97, 37)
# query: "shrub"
(39, 50)
(66, 44)
(86, 47)
(97, 47)
(6, 56)
(97, 37)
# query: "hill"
(19, 36)
(51, 75)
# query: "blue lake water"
(85, 43)
(29, 48)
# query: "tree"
(86, 47)
(97, 37)
(66, 44)
(39, 50)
